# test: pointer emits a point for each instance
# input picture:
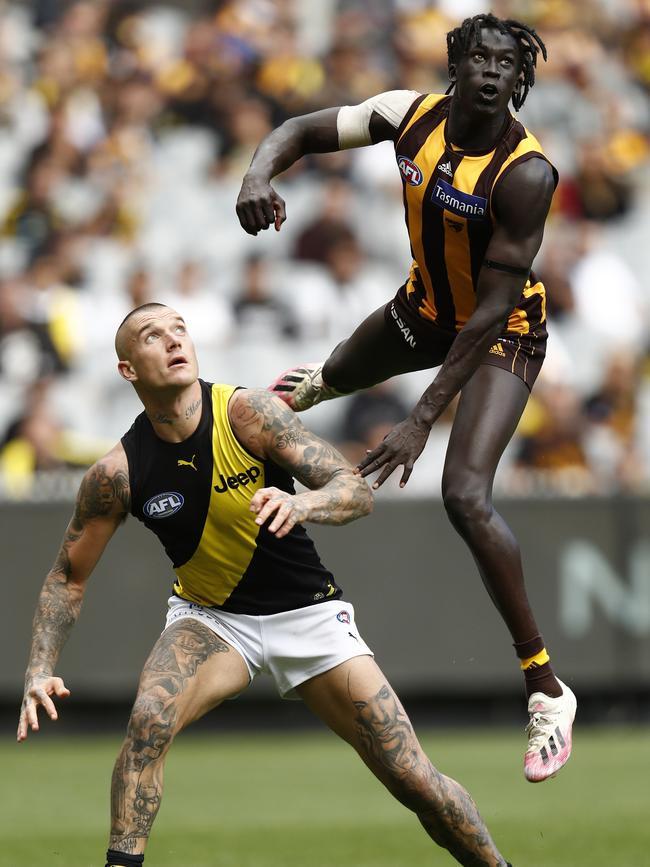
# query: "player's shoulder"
(113, 461)
(242, 399)
(533, 175)
(529, 140)
(394, 105)
(257, 406)
(391, 105)
(522, 197)
(105, 489)
(399, 96)
(528, 161)
(257, 416)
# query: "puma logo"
(182, 463)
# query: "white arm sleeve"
(353, 121)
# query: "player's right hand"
(37, 693)
(259, 206)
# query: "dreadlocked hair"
(528, 42)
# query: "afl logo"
(163, 505)
(343, 617)
(410, 172)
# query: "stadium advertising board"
(419, 600)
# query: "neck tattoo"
(192, 408)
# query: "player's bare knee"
(152, 725)
(466, 504)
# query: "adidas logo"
(497, 349)
(552, 745)
(446, 168)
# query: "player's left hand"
(286, 508)
(401, 447)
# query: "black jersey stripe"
(480, 232)
(411, 141)
(433, 243)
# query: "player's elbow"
(487, 326)
(70, 581)
(296, 131)
(366, 499)
(491, 317)
(352, 496)
(359, 501)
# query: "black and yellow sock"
(122, 859)
(535, 663)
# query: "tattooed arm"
(102, 504)
(268, 428)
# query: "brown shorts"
(521, 354)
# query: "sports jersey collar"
(476, 154)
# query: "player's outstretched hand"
(259, 206)
(37, 693)
(401, 447)
(285, 507)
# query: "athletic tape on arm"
(353, 121)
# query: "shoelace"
(535, 731)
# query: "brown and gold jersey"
(448, 202)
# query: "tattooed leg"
(189, 671)
(356, 701)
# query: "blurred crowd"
(126, 129)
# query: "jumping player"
(477, 190)
(208, 468)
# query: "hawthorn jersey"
(195, 496)
(448, 197)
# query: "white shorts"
(292, 646)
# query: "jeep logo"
(410, 172)
(163, 505)
(252, 474)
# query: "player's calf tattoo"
(385, 731)
(145, 807)
(444, 808)
(454, 822)
(136, 789)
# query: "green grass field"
(305, 800)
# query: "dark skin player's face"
(487, 75)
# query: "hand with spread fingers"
(401, 447)
(284, 507)
(37, 694)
